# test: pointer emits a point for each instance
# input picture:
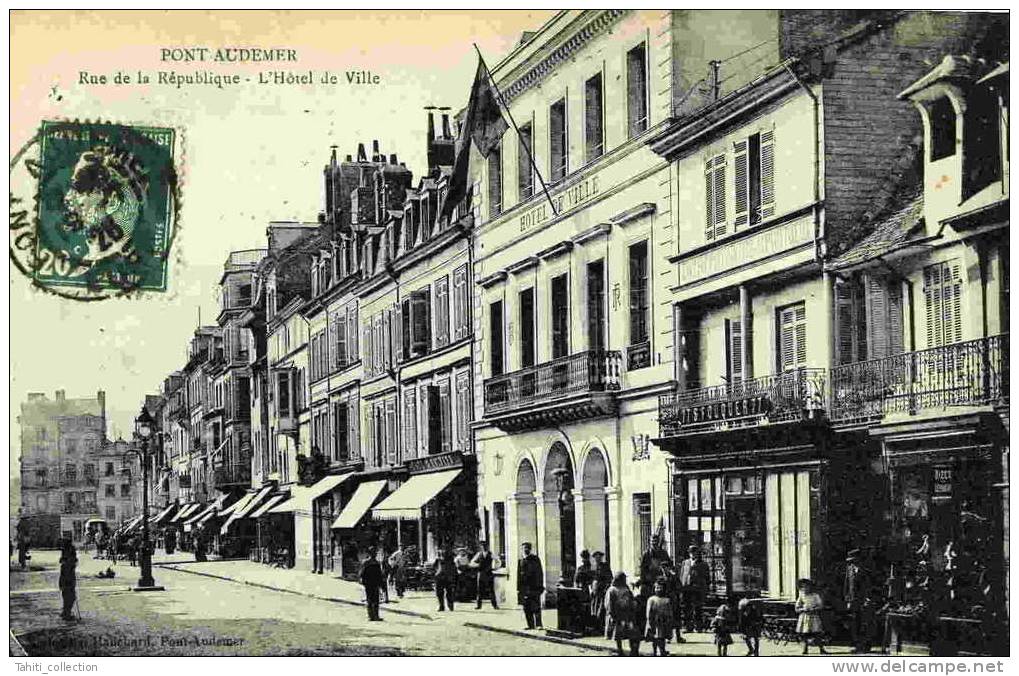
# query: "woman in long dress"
(808, 625)
(620, 615)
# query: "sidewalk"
(420, 604)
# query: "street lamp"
(143, 430)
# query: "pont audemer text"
(226, 54)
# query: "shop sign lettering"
(565, 200)
(942, 481)
(725, 410)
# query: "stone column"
(615, 516)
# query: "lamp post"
(143, 430)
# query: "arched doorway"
(527, 508)
(593, 480)
(560, 522)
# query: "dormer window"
(942, 141)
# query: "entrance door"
(560, 519)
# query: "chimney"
(446, 133)
(361, 157)
(60, 395)
(349, 159)
(392, 159)
(332, 158)
(375, 151)
(431, 127)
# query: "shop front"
(351, 530)
(304, 509)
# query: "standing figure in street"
(384, 565)
(620, 611)
(68, 578)
(694, 578)
(23, 550)
(482, 563)
(600, 584)
(530, 586)
(721, 626)
(464, 576)
(132, 551)
(373, 581)
(200, 548)
(397, 571)
(584, 576)
(855, 589)
(660, 619)
(808, 625)
(445, 578)
(170, 540)
(652, 564)
(751, 623)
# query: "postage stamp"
(105, 203)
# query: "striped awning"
(163, 515)
(185, 511)
(245, 506)
(210, 510)
(302, 496)
(359, 504)
(269, 504)
(408, 500)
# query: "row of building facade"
(750, 293)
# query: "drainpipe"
(818, 151)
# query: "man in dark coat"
(23, 550)
(530, 585)
(482, 563)
(445, 577)
(694, 579)
(652, 565)
(855, 589)
(68, 578)
(373, 581)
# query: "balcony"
(785, 397)
(235, 474)
(972, 373)
(570, 388)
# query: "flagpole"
(526, 146)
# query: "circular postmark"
(93, 209)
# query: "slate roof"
(889, 234)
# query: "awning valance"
(268, 504)
(407, 501)
(359, 504)
(245, 506)
(302, 496)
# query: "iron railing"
(575, 374)
(783, 397)
(970, 373)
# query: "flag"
(483, 125)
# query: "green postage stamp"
(105, 207)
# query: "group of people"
(119, 546)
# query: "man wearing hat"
(530, 585)
(652, 565)
(854, 594)
(482, 563)
(599, 586)
(694, 580)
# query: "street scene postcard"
(439, 333)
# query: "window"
(424, 419)
(884, 335)
(942, 115)
(496, 337)
(733, 351)
(111, 515)
(638, 293)
(527, 336)
(341, 438)
(792, 328)
(557, 141)
(636, 90)
(125, 490)
(40, 478)
(596, 306)
(420, 322)
(851, 325)
(942, 288)
(442, 311)
(788, 499)
(714, 194)
(594, 119)
(352, 352)
(410, 427)
(495, 181)
(560, 307)
(754, 159)
(981, 134)
(461, 303)
(445, 417)
(641, 524)
(283, 393)
(499, 546)
(525, 175)
(111, 490)
(463, 411)
(435, 417)
(392, 442)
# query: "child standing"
(751, 622)
(721, 625)
(620, 609)
(808, 605)
(660, 619)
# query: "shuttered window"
(741, 171)
(851, 324)
(639, 305)
(445, 417)
(434, 421)
(558, 149)
(461, 300)
(496, 337)
(392, 439)
(792, 337)
(495, 181)
(636, 90)
(733, 351)
(594, 129)
(560, 307)
(942, 287)
(767, 174)
(754, 180)
(352, 351)
(714, 202)
(442, 312)
(463, 411)
(527, 336)
(525, 175)
(884, 310)
(596, 306)
(342, 357)
(410, 437)
(341, 431)
(421, 322)
(423, 419)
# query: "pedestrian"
(132, 551)
(530, 586)
(482, 564)
(445, 578)
(584, 576)
(68, 577)
(383, 560)
(808, 625)
(602, 580)
(751, 624)
(855, 589)
(170, 540)
(23, 555)
(660, 620)
(200, 548)
(651, 564)
(695, 578)
(675, 594)
(464, 577)
(721, 626)
(397, 571)
(620, 610)
(373, 581)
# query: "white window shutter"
(741, 172)
(767, 174)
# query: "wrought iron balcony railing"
(971, 373)
(575, 374)
(783, 397)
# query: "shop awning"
(210, 508)
(131, 524)
(268, 504)
(302, 496)
(245, 506)
(359, 504)
(163, 515)
(185, 512)
(407, 501)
